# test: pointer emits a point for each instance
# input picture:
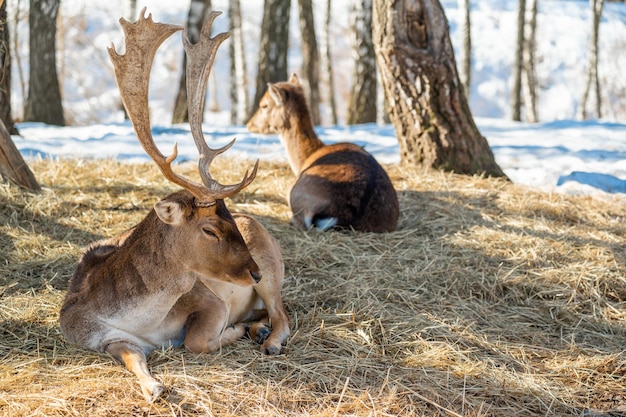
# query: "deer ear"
(294, 80)
(276, 94)
(169, 212)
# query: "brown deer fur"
(338, 185)
(190, 272)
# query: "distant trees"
(466, 47)
(310, 70)
(43, 103)
(362, 102)
(239, 97)
(524, 64)
(272, 66)
(198, 12)
(591, 79)
(326, 63)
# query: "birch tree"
(239, 97)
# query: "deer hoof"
(271, 349)
(153, 391)
(262, 334)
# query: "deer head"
(201, 229)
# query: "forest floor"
(490, 299)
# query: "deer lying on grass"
(338, 185)
(190, 272)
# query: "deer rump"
(343, 186)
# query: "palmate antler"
(132, 72)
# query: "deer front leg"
(208, 331)
(133, 357)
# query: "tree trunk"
(12, 164)
(272, 66)
(466, 60)
(16, 55)
(530, 74)
(5, 73)
(239, 97)
(310, 73)
(362, 103)
(198, 12)
(427, 106)
(44, 94)
(327, 69)
(592, 70)
(516, 91)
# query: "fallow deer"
(339, 185)
(190, 272)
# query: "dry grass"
(489, 300)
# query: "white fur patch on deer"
(190, 272)
(339, 185)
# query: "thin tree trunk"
(530, 74)
(516, 91)
(466, 60)
(5, 73)
(16, 55)
(12, 164)
(239, 97)
(592, 71)
(273, 47)
(427, 106)
(362, 104)
(327, 69)
(198, 11)
(310, 59)
(44, 94)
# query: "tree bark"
(198, 11)
(427, 106)
(239, 97)
(362, 103)
(530, 73)
(44, 94)
(327, 69)
(272, 65)
(466, 60)
(516, 90)
(310, 72)
(592, 70)
(5, 73)
(12, 164)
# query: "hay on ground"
(490, 299)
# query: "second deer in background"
(339, 185)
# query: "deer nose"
(256, 276)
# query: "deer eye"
(209, 232)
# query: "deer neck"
(300, 141)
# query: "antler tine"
(200, 57)
(132, 72)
